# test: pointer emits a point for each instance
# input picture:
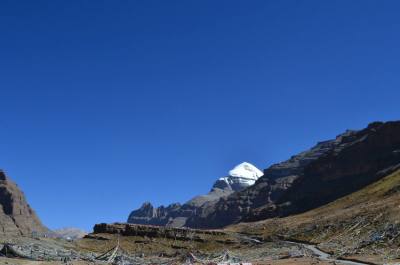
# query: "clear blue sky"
(106, 104)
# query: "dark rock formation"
(326, 172)
(313, 178)
(359, 160)
(175, 215)
(16, 216)
(148, 214)
(155, 232)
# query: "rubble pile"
(41, 252)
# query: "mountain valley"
(339, 197)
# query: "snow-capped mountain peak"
(240, 177)
(247, 171)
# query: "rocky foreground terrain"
(142, 244)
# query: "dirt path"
(326, 256)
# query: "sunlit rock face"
(16, 216)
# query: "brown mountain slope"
(364, 223)
(16, 216)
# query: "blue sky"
(106, 104)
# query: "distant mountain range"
(322, 174)
(176, 215)
(69, 233)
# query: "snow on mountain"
(240, 177)
(246, 171)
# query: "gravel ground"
(296, 261)
(8, 261)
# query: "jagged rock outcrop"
(176, 215)
(148, 214)
(16, 216)
(326, 172)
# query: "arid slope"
(364, 223)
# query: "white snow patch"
(243, 175)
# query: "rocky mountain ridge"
(329, 170)
(16, 216)
(175, 215)
(326, 172)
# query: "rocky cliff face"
(162, 216)
(176, 215)
(16, 216)
(326, 172)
